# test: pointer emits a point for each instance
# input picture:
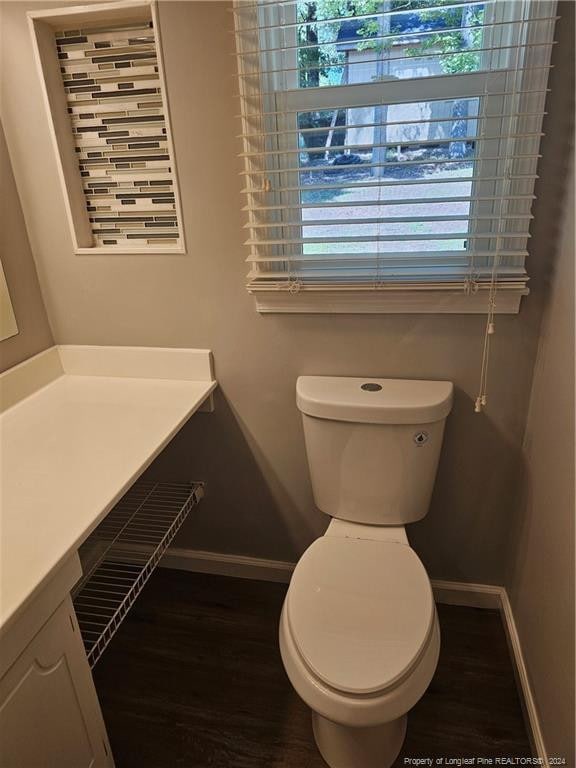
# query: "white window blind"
(390, 150)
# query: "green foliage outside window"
(320, 62)
(318, 56)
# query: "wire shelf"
(121, 554)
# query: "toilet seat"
(360, 613)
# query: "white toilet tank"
(373, 445)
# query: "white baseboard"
(239, 566)
(470, 595)
(245, 567)
(447, 592)
(523, 682)
(488, 596)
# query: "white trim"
(219, 564)
(489, 596)
(390, 302)
(527, 699)
(78, 13)
(446, 592)
(469, 595)
(121, 250)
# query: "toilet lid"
(360, 612)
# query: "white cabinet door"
(49, 711)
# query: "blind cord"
(490, 327)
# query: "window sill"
(150, 250)
(387, 302)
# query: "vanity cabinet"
(49, 710)
(81, 530)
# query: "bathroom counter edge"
(70, 450)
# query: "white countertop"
(68, 453)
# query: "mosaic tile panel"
(110, 75)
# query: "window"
(104, 89)
(390, 150)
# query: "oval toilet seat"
(360, 614)
(356, 710)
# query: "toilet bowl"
(359, 633)
(359, 639)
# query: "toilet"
(359, 633)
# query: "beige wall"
(34, 332)
(541, 579)
(251, 449)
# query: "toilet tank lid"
(374, 401)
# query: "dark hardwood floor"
(193, 679)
